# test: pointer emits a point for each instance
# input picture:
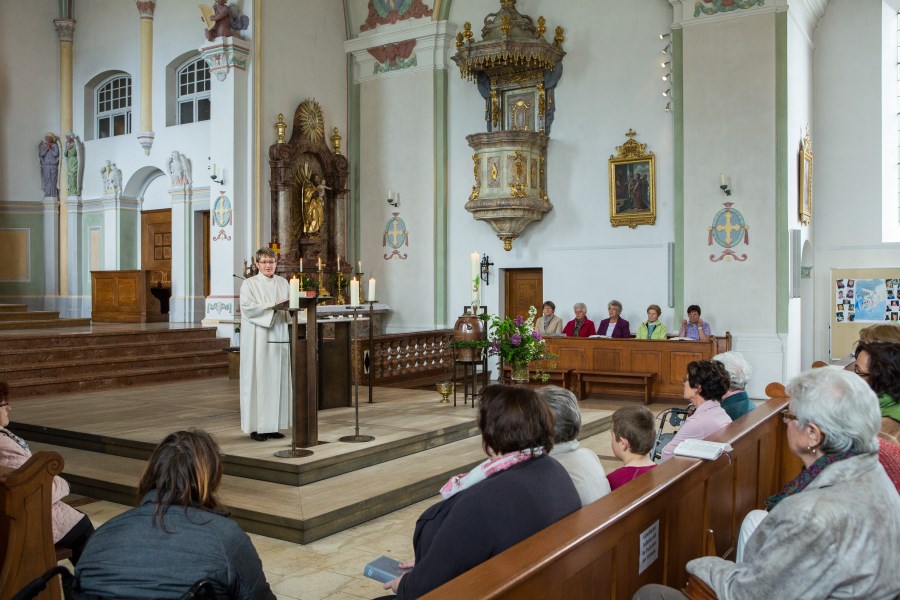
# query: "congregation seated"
(548, 323)
(580, 326)
(704, 385)
(71, 529)
(176, 536)
(515, 493)
(652, 328)
(633, 435)
(583, 465)
(694, 327)
(615, 326)
(878, 363)
(831, 532)
(736, 402)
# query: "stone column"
(146, 135)
(65, 29)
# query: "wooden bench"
(668, 516)
(644, 380)
(26, 534)
(560, 377)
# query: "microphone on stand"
(236, 276)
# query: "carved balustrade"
(407, 360)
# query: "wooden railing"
(646, 531)
(408, 360)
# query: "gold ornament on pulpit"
(280, 127)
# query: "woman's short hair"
(512, 418)
(550, 304)
(567, 416)
(615, 303)
(4, 391)
(739, 370)
(880, 332)
(637, 425)
(694, 308)
(711, 376)
(580, 305)
(185, 470)
(265, 252)
(843, 407)
(884, 367)
(656, 308)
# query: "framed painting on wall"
(805, 177)
(632, 184)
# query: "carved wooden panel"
(646, 361)
(127, 292)
(607, 359)
(104, 292)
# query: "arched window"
(193, 92)
(113, 102)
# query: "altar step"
(53, 364)
(17, 316)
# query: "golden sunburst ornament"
(312, 124)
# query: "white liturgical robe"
(266, 385)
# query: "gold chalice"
(445, 388)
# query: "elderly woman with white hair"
(580, 326)
(831, 532)
(736, 402)
(582, 465)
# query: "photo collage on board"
(867, 300)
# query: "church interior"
(428, 160)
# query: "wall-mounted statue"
(111, 176)
(74, 155)
(223, 21)
(48, 156)
(179, 168)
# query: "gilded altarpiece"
(309, 192)
(516, 71)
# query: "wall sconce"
(668, 107)
(666, 49)
(393, 199)
(665, 36)
(486, 264)
(666, 76)
(214, 177)
(665, 64)
(723, 184)
(667, 92)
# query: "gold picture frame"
(632, 184)
(805, 180)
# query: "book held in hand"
(702, 449)
(383, 569)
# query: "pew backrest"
(26, 534)
(646, 531)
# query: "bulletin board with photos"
(860, 298)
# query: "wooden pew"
(26, 535)
(692, 505)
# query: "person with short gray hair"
(736, 402)
(580, 326)
(582, 465)
(615, 326)
(831, 532)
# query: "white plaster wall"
(397, 153)
(611, 81)
(29, 93)
(849, 171)
(729, 127)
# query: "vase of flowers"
(518, 344)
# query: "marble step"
(42, 315)
(41, 355)
(107, 379)
(80, 340)
(43, 324)
(13, 308)
(105, 365)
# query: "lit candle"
(294, 297)
(339, 262)
(359, 266)
(476, 274)
(354, 292)
(319, 263)
(371, 294)
(390, 194)
(722, 178)
(301, 265)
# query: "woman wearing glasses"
(71, 528)
(266, 390)
(831, 532)
(879, 364)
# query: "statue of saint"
(48, 155)
(73, 155)
(223, 21)
(179, 168)
(313, 205)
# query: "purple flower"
(495, 345)
(515, 339)
(519, 321)
(536, 335)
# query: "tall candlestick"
(354, 292)
(294, 297)
(371, 294)
(319, 262)
(339, 262)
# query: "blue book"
(383, 569)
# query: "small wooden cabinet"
(124, 297)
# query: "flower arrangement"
(518, 343)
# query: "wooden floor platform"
(106, 437)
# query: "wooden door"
(156, 243)
(524, 288)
